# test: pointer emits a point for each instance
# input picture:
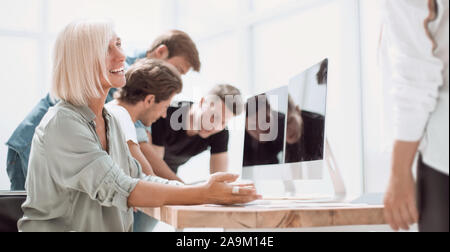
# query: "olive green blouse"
(72, 183)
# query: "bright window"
(21, 15)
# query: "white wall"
(376, 103)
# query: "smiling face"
(115, 64)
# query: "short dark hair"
(236, 105)
(179, 44)
(150, 77)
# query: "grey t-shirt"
(72, 183)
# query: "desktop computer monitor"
(285, 129)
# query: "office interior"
(255, 45)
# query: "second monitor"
(285, 128)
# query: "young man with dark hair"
(176, 46)
(151, 85)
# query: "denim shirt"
(19, 144)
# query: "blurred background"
(256, 45)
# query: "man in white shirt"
(415, 50)
(151, 85)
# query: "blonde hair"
(79, 61)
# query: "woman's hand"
(219, 190)
(400, 210)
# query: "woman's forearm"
(403, 157)
(147, 194)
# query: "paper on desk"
(308, 205)
(329, 205)
(293, 204)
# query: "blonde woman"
(81, 176)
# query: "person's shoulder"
(112, 105)
(124, 128)
(114, 109)
(24, 132)
(120, 117)
(61, 115)
(61, 122)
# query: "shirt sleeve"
(155, 179)
(414, 73)
(78, 163)
(219, 142)
(128, 129)
(125, 121)
(159, 132)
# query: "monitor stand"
(336, 179)
(340, 192)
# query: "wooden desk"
(260, 218)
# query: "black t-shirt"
(310, 145)
(179, 147)
(264, 153)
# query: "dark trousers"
(143, 222)
(432, 199)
